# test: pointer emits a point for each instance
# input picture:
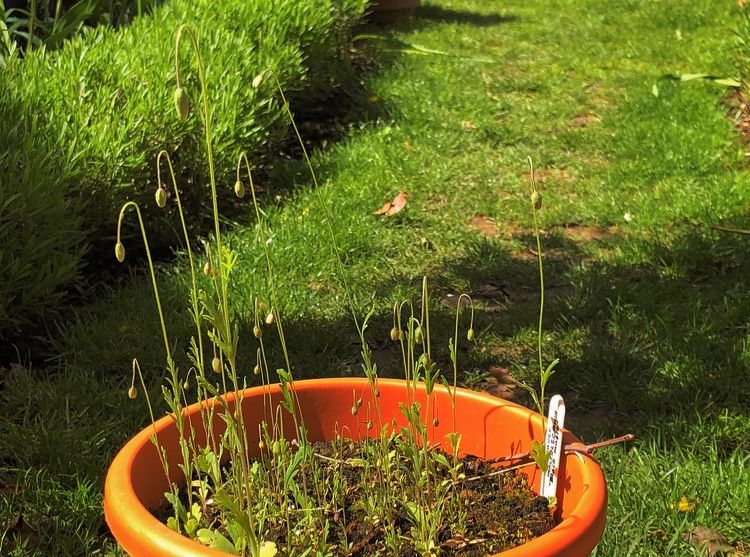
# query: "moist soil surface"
(501, 510)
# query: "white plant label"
(553, 445)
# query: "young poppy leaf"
(539, 455)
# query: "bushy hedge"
(105, 101)
(41, 244)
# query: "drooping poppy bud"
(536, 200)
(239, 189)
(161, 197)
(181, 103)
(120, 252)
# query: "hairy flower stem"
(176, 404)
(227, 334)
(199, 357)
(352, 302)
(537, 235)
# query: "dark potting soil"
(502, 511)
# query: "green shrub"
(89, 118)
(41, 244)
(104, 95)
(29, 24)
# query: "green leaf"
(216, 540)
(540, 455)
(440, 459)
(267, 549)
(190, 526)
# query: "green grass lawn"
(648, 307)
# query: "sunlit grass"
(650, 323)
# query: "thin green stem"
(191, 259)
(209, 149)
(150, 268)
(537, 234)
(353, 306)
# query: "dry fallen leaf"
(710, 541)
(384, 209)
(398, 203)
(390, 208)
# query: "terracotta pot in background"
(490, 427)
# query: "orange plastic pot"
(490, 427)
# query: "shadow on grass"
(430, 14)
(655, 333)
(658, 334)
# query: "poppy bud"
(435, 422)
(536, 200)
(355, 410)
(257, 333)
(395, 334)
(120, 252)
(207, 269)
(275, 447)
(359, 403)
(256, 369)
(216, 364)
(270, 318)
(418, 335)
(181, 103)
(132, 392)
(239, 189)
(257, 80)
(161, 197)
(470, 334)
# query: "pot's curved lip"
(140, 533)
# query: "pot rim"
(131, 522)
